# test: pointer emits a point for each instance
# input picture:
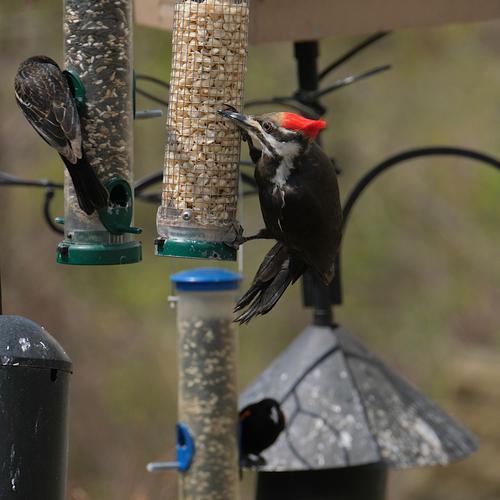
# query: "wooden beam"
(281, 20)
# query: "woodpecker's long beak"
(251, 131)
(243, 121)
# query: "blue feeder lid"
(205, 279)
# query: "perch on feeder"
(207, 395)
(98, 59)
(200, 185)
(346, 409)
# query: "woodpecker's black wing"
(44, 96)
(310, 214)
(305, 217)
(266, 273)
(277, 271)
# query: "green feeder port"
(117, 216)
(77, 88)
(108, 246)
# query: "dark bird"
(260, 425)
(300, 204)
(44, 96)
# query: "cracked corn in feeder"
(200, 185)
(98, 54)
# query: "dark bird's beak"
(243, 121)
(251, 131)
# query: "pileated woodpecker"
(300, 204)
(44, 96)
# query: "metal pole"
(315, 293)
(347, 483)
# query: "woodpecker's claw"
(237, 230)
(239, 239)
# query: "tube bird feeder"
(207, 397)
(200, 185)
(98, 60)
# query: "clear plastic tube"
(208, 393)
(98, 49)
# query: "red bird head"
(297, 123)
(278, 135)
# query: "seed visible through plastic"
(97, 47)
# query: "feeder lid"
(24, 343)
(344, 407)
(205, 279)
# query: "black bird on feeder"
(260, 425)
(44, 96)
(300, 204)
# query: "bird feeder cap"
(23, 343)
(206, 279)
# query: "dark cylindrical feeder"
(34, 383)
(364, 482)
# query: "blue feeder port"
(184, 452)
(206, 279)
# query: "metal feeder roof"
(345, 407)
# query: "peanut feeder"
(200, 185)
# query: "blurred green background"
(421, 255)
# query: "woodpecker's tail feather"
(277, 271)
(90, 192)
(264, 275)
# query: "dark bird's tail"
(278, 270)
(90, 192)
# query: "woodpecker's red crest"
(310, 128)
(278, 135)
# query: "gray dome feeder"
(346, 408)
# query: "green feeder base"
(193, 249)
(99, 254)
